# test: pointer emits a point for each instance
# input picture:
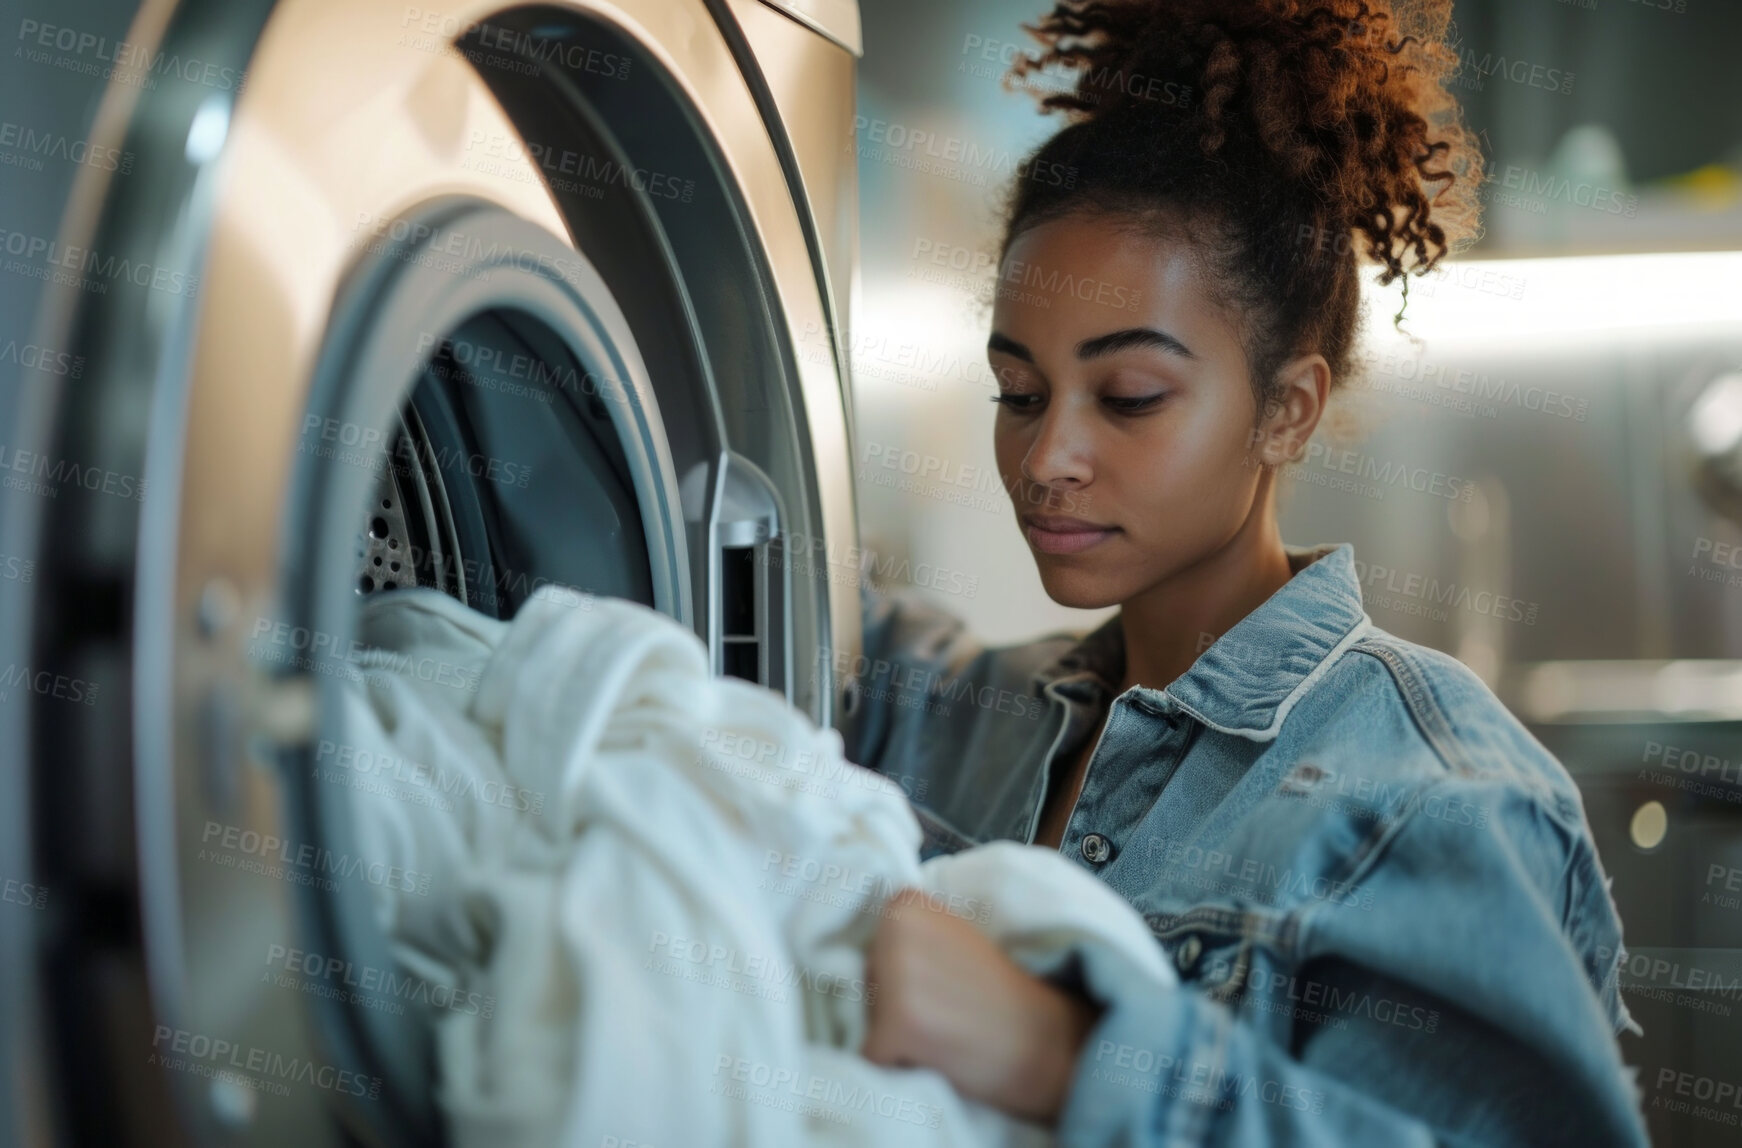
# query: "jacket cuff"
(1150, 1069)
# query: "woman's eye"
(1019, 402)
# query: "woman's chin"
(1078, 589)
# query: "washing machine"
(437, 294)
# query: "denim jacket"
(1381, 892)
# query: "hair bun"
(1344, 98)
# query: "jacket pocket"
(938, 836)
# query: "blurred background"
(1581, 367)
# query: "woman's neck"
(1168, 625)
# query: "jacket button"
(1188, 952)
(1096, 848)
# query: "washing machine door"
(448, 296)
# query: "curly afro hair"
(1298, 135)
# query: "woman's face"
(1126, 406)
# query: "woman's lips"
(1066, 541)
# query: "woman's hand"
(947, 998)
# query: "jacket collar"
(1246, 682)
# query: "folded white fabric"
(665, 883)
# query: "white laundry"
(664, 883)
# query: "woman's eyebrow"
(1108, 344)
(1129, 338)
(1004, 343)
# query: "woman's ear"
(1291, 416)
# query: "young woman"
(1381, 893)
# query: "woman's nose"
(1059, 454)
